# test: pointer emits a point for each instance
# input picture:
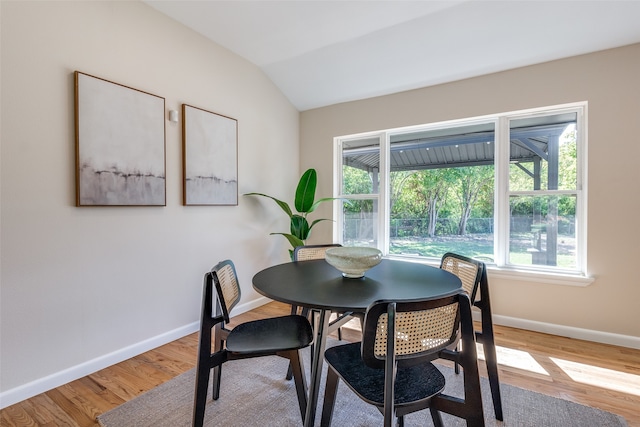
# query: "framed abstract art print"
(120, 144)
(210, 157)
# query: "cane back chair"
(391, 368)
(310, 252)
(473, 275)
(283, 336)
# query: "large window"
(507, 189)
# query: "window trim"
(577, 277)
(507, 273)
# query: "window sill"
(546, 277)
(542, 277)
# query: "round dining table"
(319, 286)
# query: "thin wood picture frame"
(120, 144)
(210, 158)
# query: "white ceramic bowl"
(353, 261)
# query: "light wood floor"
(603, 376)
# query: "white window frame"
(552, 275)
(383, 189)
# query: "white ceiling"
(325, 52)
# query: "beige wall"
(87, 287)
(610, 82)
(84, 287)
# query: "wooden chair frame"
(479, 295)
(212, 326)
(469, 408)
(317, 252)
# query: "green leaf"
(317, 221)
(293, 240)
(285, 207)
(306, 191)
(300, 227)
(304, 204)
(326, 199)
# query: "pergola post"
(376, 190)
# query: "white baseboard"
(567, 331)
(33, 388)
(57, 379)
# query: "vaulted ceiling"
(321, 53)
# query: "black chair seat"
(269, 335)
(413, 383)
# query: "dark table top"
(317, 284)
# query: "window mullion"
(543, 193)
(501, 197)
(383, 194)
(337, 191)
(581, 221)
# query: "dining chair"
(282, 336)
(310, 252)
(313, 252)
(391, 368)
(473, 275)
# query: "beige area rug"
(254, 392)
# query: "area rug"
(254, 392)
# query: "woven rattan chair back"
(227, 287)
(468, 270)
(309, 252)
(422, 329)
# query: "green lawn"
(479, 246)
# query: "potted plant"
(304, 204)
